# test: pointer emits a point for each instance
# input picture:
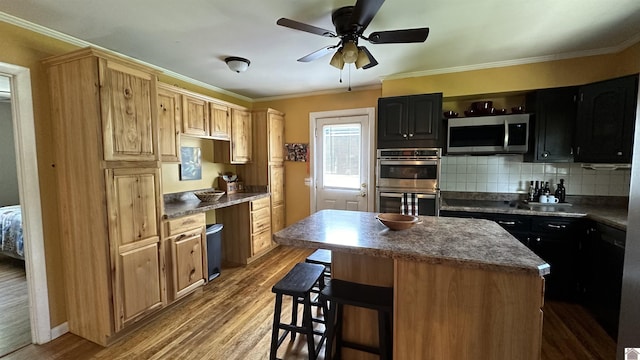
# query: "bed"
(11, 242)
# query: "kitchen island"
(463, 288)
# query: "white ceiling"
(192, 37)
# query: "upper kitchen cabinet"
(554, 120)
(195, 115)
(169, 121)
(220, 121)
(239, 150)
(103, 107)
(409, 121)
(606, 117)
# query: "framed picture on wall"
(191, 165)
(297, 152)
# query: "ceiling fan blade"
(317, 54)
(372, 61)
(399, 36)
(292, 24)
(364, 11)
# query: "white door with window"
(341, 161)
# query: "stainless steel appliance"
(408, 171)
(502, 134)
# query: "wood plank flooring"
(231, 319)
(15, 329)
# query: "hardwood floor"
(231, 319)
(15, 329)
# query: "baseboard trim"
(59, 330)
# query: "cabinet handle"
(404, 136)
(578, 150)
(538, 239)
(506, 222)
(410, 135)
(554, 226)
(545, 154)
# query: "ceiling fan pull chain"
(349, 78)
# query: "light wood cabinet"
(220, 121)
(276, 185)
(195, 115)
(186, 254)
(240, 149)
(250, 236)
(169, 122)
(267, 167)
(106, 158)
(128, 103)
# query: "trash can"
(214, 250)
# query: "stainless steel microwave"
(502, 134)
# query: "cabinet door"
(606, 117)
(425, 114)
(276, 184)
(240, 136)
(169, 118)
(195, 116)
(276, 138)
(555, 116)
(392, 119)
(277, 218)
(187, 263)
(128, 106)
(133, 204)
(220, 122)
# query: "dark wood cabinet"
(554, 239)
(410, 121)
(606, 118)
(554, 118)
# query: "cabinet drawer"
(554, 225)
(260, 242)
(179, 225)
(260, 220)
(260, 203)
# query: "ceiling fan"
(350, 23)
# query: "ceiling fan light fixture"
(337, 60)
(237, 64)
(363, 59)
(350, 52)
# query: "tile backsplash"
(509, 174)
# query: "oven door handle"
(408, 162)
(398, 195)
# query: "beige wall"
(26, 48)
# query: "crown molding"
(81, 43)
(538, 59)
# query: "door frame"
(370, 112)
(29, 193)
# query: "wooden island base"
(446, 312)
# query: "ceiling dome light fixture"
(237, 64)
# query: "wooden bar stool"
(298, 284)
(338, 293)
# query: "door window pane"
(341, 156)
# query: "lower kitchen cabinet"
(185, 243)
(247, 231)
(554, 239)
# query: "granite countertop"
(610, 214)
(181, 204)
(471, 243)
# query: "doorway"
(342, 147)
(29, 199)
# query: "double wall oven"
(408, 172)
